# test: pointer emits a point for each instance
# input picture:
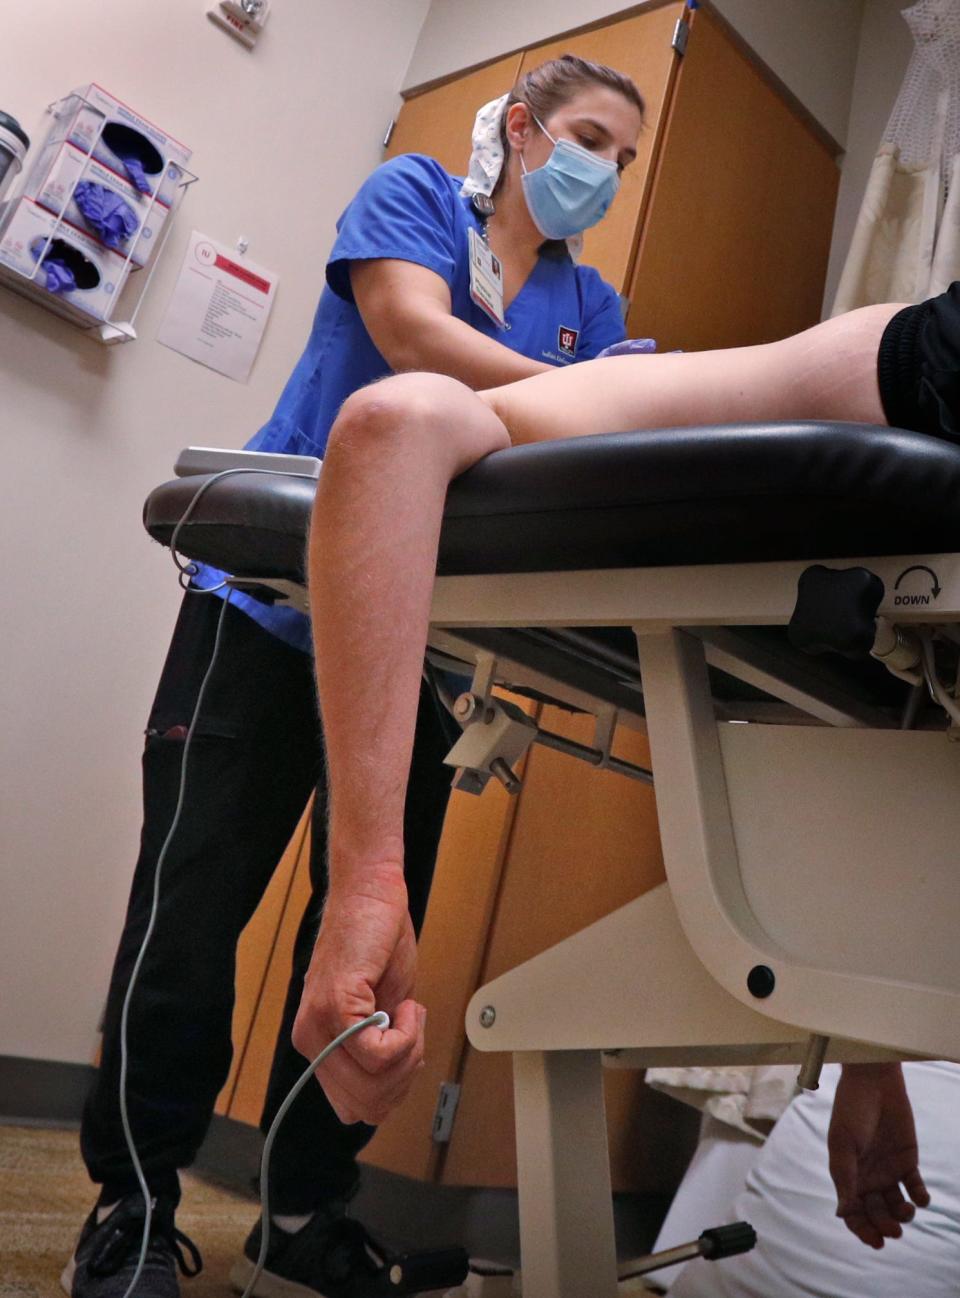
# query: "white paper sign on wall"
(219, 309)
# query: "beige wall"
(88, 601)
(810, 44)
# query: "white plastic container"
(14, 143)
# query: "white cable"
(188, 569)
(379, 1020)
(948, 704)
(125, 1013)
(185, 570)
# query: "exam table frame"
(873, 861)
(689, 1003)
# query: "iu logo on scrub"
(567, 340)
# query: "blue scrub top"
(410, 209)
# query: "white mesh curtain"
(906, 245)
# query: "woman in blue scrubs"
(399, 295)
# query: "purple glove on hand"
(630, 347)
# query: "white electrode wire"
(941, 696)
(125, 1013)
(377, 1020)
(188, 570)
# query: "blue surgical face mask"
(571, 191)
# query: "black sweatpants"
(255, 758)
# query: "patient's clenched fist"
(364, 960)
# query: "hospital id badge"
(486, 278)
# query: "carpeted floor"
(45, 1196)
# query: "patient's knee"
(405, 410)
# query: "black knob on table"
(836, 611)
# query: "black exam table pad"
(725, 494)
(673, 497)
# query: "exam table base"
(663, 979)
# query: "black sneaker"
(106, 1256)
(333, 1256)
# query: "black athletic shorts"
(918, 366)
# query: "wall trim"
(43, 1090)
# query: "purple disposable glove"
(60, 278)
(636, 347)
(113, 219)
(630, 347)
(134, 169)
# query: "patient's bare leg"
(827, 372)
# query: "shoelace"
(165, 1240)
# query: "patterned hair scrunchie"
(486, 160)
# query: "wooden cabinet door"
(452, 952)
(641, 47)
(439, 122)
(584, 843)
(264, 956)
(737, 234)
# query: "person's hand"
(873, 1152)
(364, 960)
